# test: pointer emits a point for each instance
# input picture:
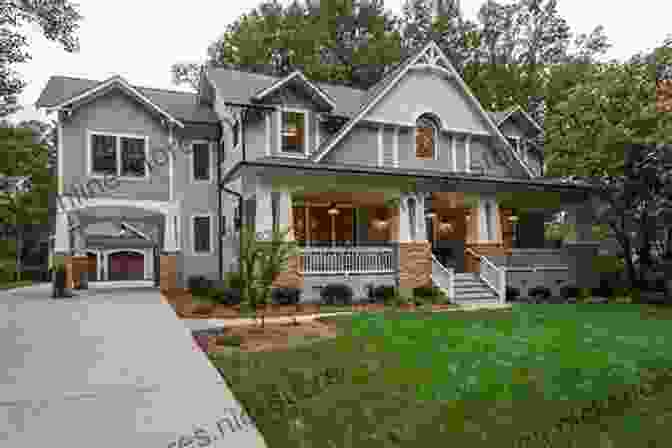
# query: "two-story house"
(409, 182)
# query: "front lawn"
(480, 378)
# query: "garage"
(126, 265)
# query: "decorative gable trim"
(520, 110)
(120, 82)
(294, 75)
(430, 55)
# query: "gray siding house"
(410, 182)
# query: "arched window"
(411, 217)
(426, 136)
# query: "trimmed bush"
(286, 296)
(512, 294)
(569, 291)
(540, 292)
(225, 296)
(384, 293)
(198, 285)
(432, 294)
(336, 294)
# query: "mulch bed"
(272, 336)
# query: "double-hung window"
(294, 132)
(201, 234)
(201, 162)
(119, 155)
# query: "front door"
(446, 232)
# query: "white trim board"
(436, 52)
(117, 79)
(296, 74)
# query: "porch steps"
(471, 290)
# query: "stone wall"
(415, 264)
(664, 95)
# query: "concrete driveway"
(109, 369)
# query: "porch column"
(415, 263)
(263, 221)
(170, 239)
(285, 218)
(62, 240)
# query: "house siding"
(114, 112)
(360, 146)
(388, 147)
(482, 155)
(421, 92)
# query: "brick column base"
(168, 273)
(415, 265)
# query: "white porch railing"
(347, 260)
(493, 276)
(443, 277)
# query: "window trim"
(192, 220)
(192, 179)
(435, 126)
(117, 151)
(306, 139)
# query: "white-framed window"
(122, 155)
(426, 137)
(293, 130)
(201, 234)
(201, 162)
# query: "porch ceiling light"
(446, 226)
(333, 211)
(380, 224)
(513, 218)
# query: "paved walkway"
(204, 324)
(109, 369)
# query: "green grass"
(473, 378)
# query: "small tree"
(260, 264)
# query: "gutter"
(385, 172)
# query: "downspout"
(220, 147)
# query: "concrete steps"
(471, 290)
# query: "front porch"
(412, 237)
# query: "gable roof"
(433, 51)
(181, 105)
(516, 110)
(291, 77)
(240, 87)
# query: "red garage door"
(127, 266)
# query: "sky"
(141, 39)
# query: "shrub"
(512, 293)
(233, 280)
(384, 293)
(225, 296)
(569, 291)
(198, 285)
(336, 293)
(432, 294)
(541, 292)
(286, 296)
(401, 300)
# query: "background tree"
(24, 152)
(334, 40)
(58, 19)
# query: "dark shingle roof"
(239, 86)
(181, 105)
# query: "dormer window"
(426, 136)
(293, 129)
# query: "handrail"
(439, 263)
(501, 271)
(481, 257)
